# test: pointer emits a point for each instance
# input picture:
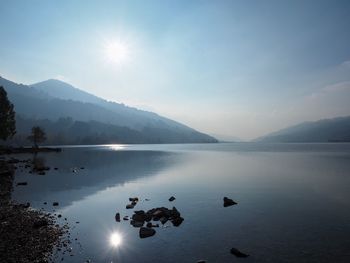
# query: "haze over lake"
(293, 200)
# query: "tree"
(38, 135)
(7, 117)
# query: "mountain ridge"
(324, 130)
(43, 101)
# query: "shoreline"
(27, 234)
(18, 150)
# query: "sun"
(117, 52)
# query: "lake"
(293, 201)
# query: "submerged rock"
(237, 253)
(22, 183)
(228, 202)
(55, 204)
(146, 232)
(172, 198)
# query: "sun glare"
(117, 52)
(115, 239)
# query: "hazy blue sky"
(241, 68)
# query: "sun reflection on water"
(117, 147)
(116, 239)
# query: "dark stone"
(22, 183)
(148, 217)
(59, 216)
(55, 203)
(177, 221)
(130, 206)
(172, 198)
(126, 218)
(201, 261)
(137, 223)
(228, 202)
(146, 232)
(163, 220)
(55, 168)
(117, 217)
(149, 224)
(133, 199)
(139, 212)
(174, 213)
(139, 217)
(237, 253)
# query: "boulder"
(172, 199)
(55, 204)
(146, 232)
(22, 183)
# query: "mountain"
(326, 130)
(50, 101)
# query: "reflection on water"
(115, 239)
(291, 198)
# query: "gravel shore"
(27, 235)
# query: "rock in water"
(228, 202)
(237, 253)
(133, 199)
(146, 232)
(22, 183)
(177, 221)
(55, 203)
(137, 223)
(129, 206)
(172, 198)
(117, 217)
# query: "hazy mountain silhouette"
(326, 130)
(47, 102)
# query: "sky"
(233, 68)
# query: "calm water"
(293, 200)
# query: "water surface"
(293, 200)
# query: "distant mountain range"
(72, 116)
(327, 130)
